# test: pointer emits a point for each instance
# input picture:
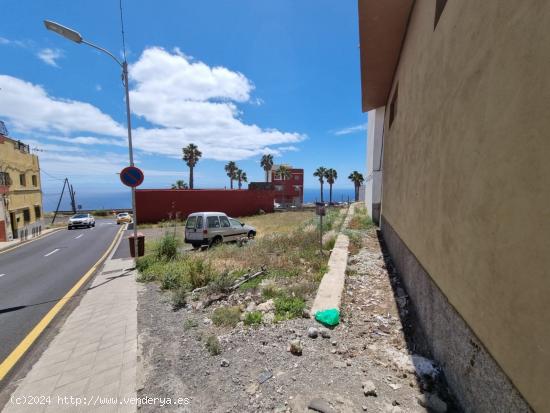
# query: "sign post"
(132, 176)
(320, 210)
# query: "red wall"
(289, 193)
(154, 205)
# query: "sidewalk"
(94, 355)
(5, 245)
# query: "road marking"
(27, 342)
(50, 253)
(78, 236)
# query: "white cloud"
(98, 88)
(49, 56)
(183, 100)
(351, 129)
(189, 101)
(29, 108)
(89, 140)
(3, 40)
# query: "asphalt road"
(36, 275)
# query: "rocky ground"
(361, 365)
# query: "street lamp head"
(63, 31)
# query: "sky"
(239, 78)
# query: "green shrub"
(329, 244)
(190, 323)
(226, 316)
(179, 297)
(289, 307)
(199, 271)
(213, 345)
(142, 263)
(170, 280)
(270, 291)
(221, 283)
(167, 247)
(253, 318)
(252, 284)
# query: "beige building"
(20, 193)
(458, 95)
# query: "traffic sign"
(131, 176)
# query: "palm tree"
(284, 172)
(357, 179)
(180, 184)
(191, 156)
(241, 177)
(320, 173)
(267, 164)
(331, 175)
(231, 169)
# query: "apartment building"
(457, 95)
(289, 190)
(20, 192)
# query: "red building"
(288, 191)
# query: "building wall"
(154, 205)
(466, 175)
(373, 180)
(288, 191)
(16, 160)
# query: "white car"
(81, 220)
(210, 228)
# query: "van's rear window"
(191, 221)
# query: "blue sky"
(238, 78)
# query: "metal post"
(321, 234)
(130, 150)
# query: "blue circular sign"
(131, 176)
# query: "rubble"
(312, 332)
(295, 347)
(369, 388)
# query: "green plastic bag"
(329, 318)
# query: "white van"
(209, 228)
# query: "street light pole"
(76, 37)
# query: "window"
(393, 107)
(26, 215)
(296, 177)
(199, 222)
(22, 180)
(37, 212)
(212, 222)
(191, 221)
(225, 222)
(34, 181)
(279, 188)
(235, 223)
(439, 6)
(5, 179)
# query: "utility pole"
(65, 182)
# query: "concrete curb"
(329, 294)
(21, 243)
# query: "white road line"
(50, 253)
(78, 236)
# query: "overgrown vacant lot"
(286, 252)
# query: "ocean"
(123, 199)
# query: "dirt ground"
(363, 366)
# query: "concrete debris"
(325, 332)
(224, 363)
(295, 347)
(312, 332)
(369, 388)
(265, 376)
(320, 405)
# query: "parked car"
(123, 217)
(81, 220)
(210, 228)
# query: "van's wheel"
(196, 245)
(251, 234)
(215, 242)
